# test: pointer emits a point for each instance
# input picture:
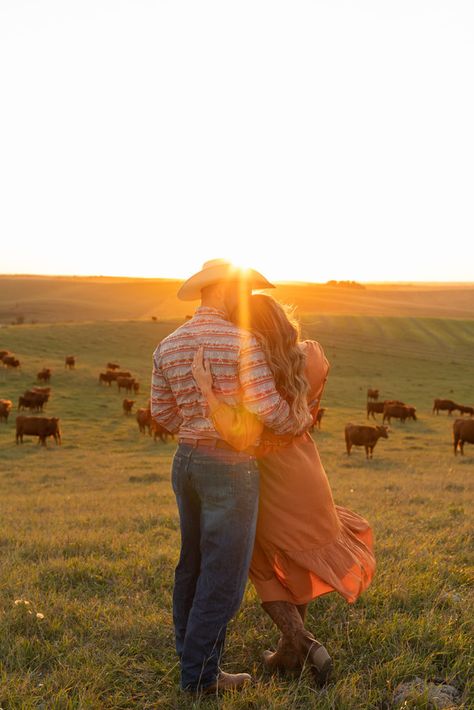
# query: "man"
(216, 487)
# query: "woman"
(305, 545)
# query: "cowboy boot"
(228, 681)
(285, 657)
(308, 650)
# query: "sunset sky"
(311, 140)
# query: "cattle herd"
(367, 436)
(35, 399)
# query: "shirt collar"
(210, 311)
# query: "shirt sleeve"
(259, 393)
(163, 405)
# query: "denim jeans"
(217, 495)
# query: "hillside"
(74, 299)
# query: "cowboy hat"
(218, 270)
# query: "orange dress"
(305, 545)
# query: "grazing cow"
(112, 366)
(42, 427)
(374, 408)
(159, 432)
(463, 431)
(5, 409)
(70, 361)
(463, 409)
(317, 415)
(127, 405)
(44, 374)
(33, 401)
(441, 405)
(398, 411)
(39, 390)
(11, 361)
(366, 436)
(143, 417)
(126, 382)
(372, 394)
(107, 377)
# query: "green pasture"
(89, 532)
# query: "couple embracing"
(240, 389)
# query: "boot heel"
(321, 664)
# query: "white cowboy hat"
(217, 270)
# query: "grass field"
(89, 531)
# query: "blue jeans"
(217, 495)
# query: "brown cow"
(143, 417)
(372, 394)
(5, 409)
(42, 427)
(32, 401)
(127, 405)
(39, 390)
(44, 374)
(366, 436)
(128, 383)
(398, 411)
(317, 415)
(70, 361)
(107, 377)
(463, 431)
(374, 408)
(463, 409)
(123, 373)
(441, 405)
(112, 366)
(159, 432)
(11, 361)
(4, 353)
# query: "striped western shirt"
(240, 374)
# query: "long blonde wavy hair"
(278, 331)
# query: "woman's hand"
(202, 372)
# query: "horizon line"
(175, 278)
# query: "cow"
(372, 394)
(42, 427)
(441, 405)
(11, 361)
(44, 374)
(143, 417)
(374, 408)
(127, 383)
(4, 353)
(159, 431)
(463, 431)
(112, 366)
(123, 373)
(70, 361)
(366, 436)
(463, 409)
(398, 411)
(39, 390)
(32, 401)
(5, 409)
(107, 377)
(127, 405)
(317, 415)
